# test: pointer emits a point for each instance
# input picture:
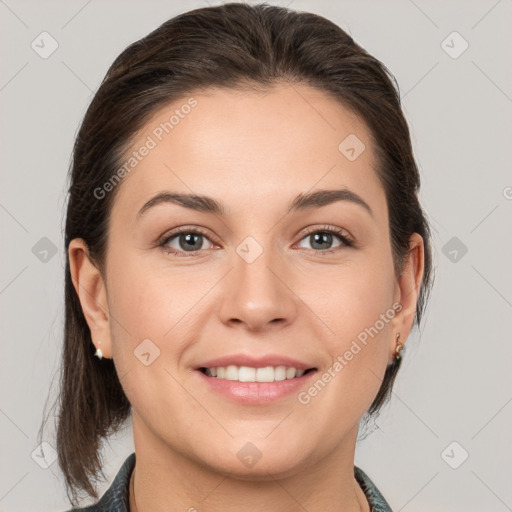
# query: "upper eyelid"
(331, 229)
(184, 230)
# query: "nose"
(257, 295)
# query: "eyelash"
(340, 233)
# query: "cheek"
(148, 301)
(359, 311)
(146, 308)
(353, 298)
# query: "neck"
(164, 478)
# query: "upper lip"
(255, 362)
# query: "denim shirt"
(116, 498)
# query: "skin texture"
(254, 152)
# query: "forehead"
(245, 146)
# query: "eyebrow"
(302, 202)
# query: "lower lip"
(256, 392)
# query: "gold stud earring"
(399, 348)
(98, 353)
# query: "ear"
(92, 293)
(407, 291)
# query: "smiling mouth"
(251, 374)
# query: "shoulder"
(116, 498)
(373, 495)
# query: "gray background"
(455, 384)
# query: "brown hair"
(236, 46)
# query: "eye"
(322, 240)
(193, 241)
(186, 240)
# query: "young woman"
(246, 259)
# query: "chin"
(265, 463)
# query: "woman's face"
(274, 279)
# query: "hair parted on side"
(236, 46)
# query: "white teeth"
(249, 374)
(265, 374)
(246, 374)
(231, 372)
(280, 373)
